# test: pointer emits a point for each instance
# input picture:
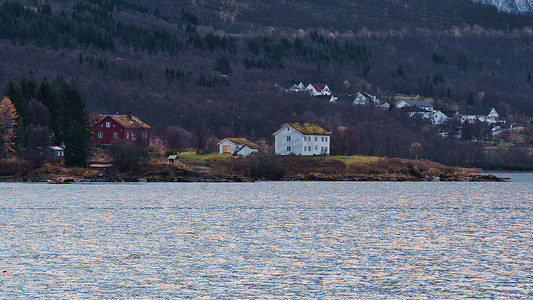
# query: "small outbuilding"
(173, 159)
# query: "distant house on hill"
(237, 146)
(487, 115)
(364, 98)
(108, 129)
(423, 104)
(360, 99)
(297, 88)
(435, 116)
(302, 139)
(318, 89)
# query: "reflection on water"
(267, 239)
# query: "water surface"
(267, 240)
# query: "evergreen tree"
(222, 65)
(14, 93)
(77, 144)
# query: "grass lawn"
(347, 160)
(192, 157)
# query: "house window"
(316, 147)
(100, 135)
(322, 139)
(133, 136)
(115, 135)
(316, 138)
(326, 138)
(288, 148)
(107, 124)
(226, 149)
(288, 138)
(326, 149)
(127, 135)
(322, 149)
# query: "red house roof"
(318, 86)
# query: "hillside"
(164, 61)
(514, 6)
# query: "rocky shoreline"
(218, 177)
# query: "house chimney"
(129, 115)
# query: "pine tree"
(77, 145)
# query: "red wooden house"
(108, 129)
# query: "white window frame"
(115, 135)
(100, 135)
(108, 124)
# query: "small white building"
(173, 159)
(237, 146)
(302, 139)
(318, 89)
(297, 88)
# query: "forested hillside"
(215, 64)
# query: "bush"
(13, 166)
(128, 157)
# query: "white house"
(364, 98)
(438, 117)
(297, 88)
(237, 146)
(423, 104)
(487, 115)
(435, 116)
(318, 89)
(302, 139)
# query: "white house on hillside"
(435, 116)
(364, 98)
(237, 146)
(302, 139)
(423, 104)
(318, 89)
(487, 115)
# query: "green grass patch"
(348, 160)
(192, 157)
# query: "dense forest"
(216, 64)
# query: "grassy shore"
(222, 167)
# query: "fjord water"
(267, 239)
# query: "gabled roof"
(475, 111)
(241, 141)
(172, 157)
(417, 103)
(367, 95)
(415, 110)
(128, 121)
(318, 86)
(306, 129)
(347, 98)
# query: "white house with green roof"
(302, 139)
(237, 146)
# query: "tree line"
(49, 113)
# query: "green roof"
(305, 128)
(243, 141)
(125, 120)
